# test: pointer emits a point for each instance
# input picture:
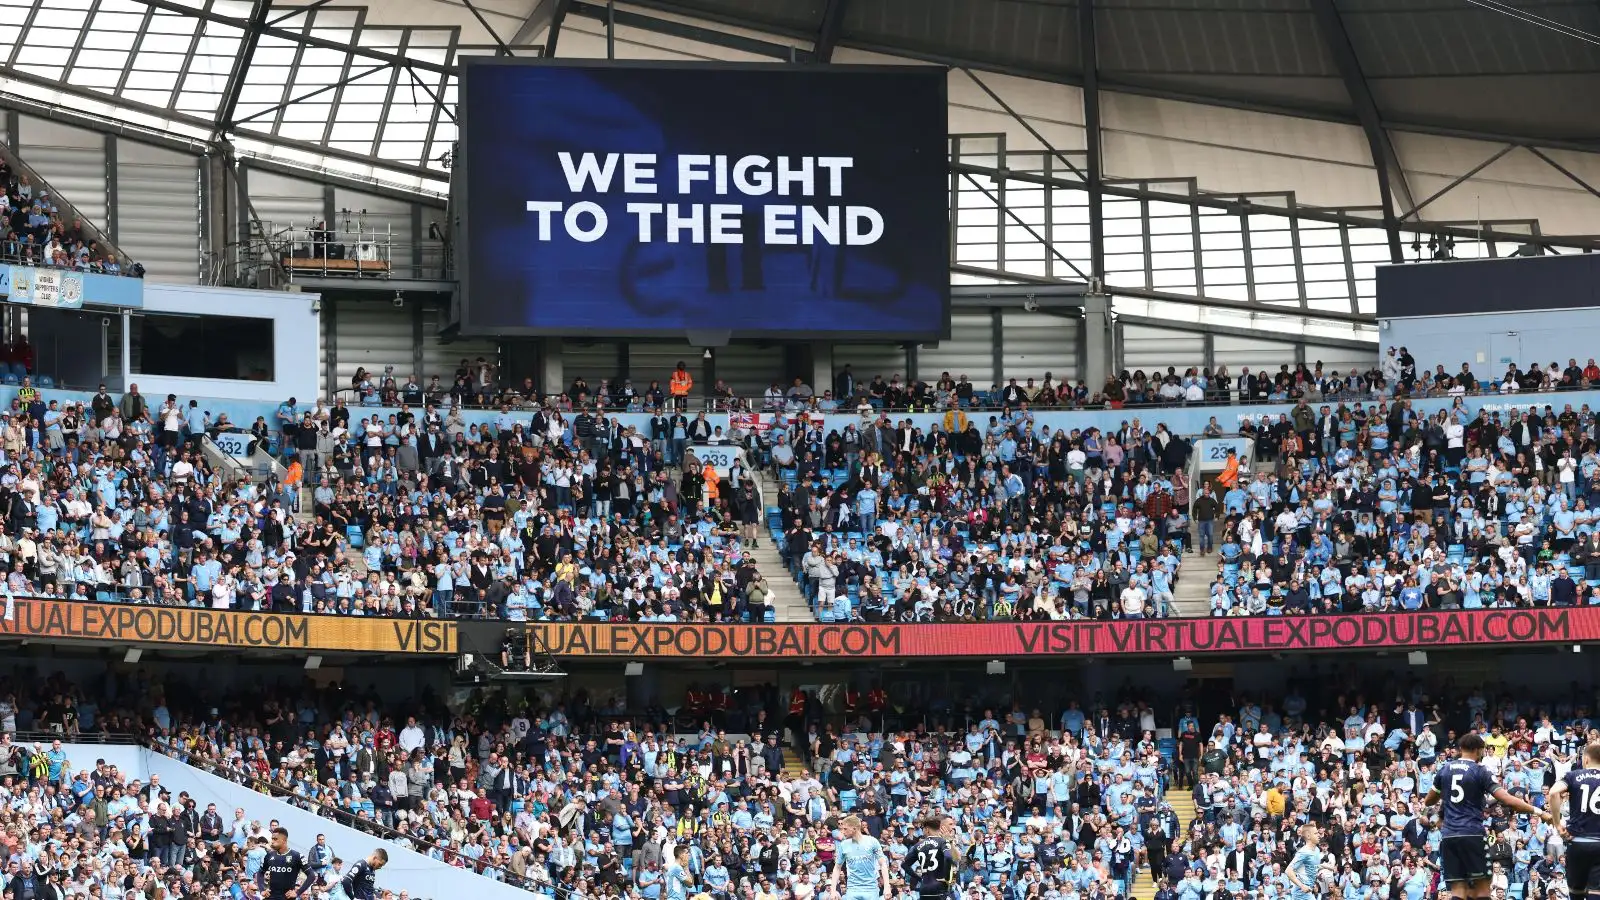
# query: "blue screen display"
(765, 201)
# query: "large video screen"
(765, 201)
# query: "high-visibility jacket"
(682, 382)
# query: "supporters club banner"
(1165, 637)
(117, 623)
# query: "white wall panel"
(1153, 349)
(71, 160)
(1341, 359)
(1231, 150)
(371, 334)
(442, 359)
(1238, 352)
(868, 361)
(158, 210)
(1036, 344)
(1518, 185)
(969, 351)
(282, 202)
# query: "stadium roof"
(373, 82)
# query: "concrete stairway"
(1143, 886)
(1192, 596)
(788, 604)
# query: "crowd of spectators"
(551, 514)
(72, 829)
(572, 796)
(477, 382)
(33, 232)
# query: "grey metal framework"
(373, 85)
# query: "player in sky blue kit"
(679, 881)
(862, 863)
(1580, 788)
(1465, 786)
(1305, 868)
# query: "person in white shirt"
(1133, 602)
(410, 737)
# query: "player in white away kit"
(862, 863)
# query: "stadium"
(799, 449)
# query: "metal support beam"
(298, 37)
(1208, 329)
(997, 347)
(1027, 126)
(1565, 171)
(1410, 213)
(274, 108)
(1031, 230)
(548, 12)
(828, 31)
(241, 64)
(1094, 174)
(1391, 177)
(113, 190)
(628, 19)
(500, 46)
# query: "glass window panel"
(109, 40)
(260, 94)
(1363, 271)
(1120, 209)
(1033, 216)
(1222, 241)
(1126, 244)
(1273, 274)
(158, 62)
(1369, 253)
(1267, 222)
(439, 56)
(53, 16)
(1160, 208)
(1270, 239)
(115, 21)
(1227, 258)
(246, 114)
(1172, 226)
(207, 82)
(365, 93)
(989, 218)
(1124, 262)
(1223, 276)
(280, 55)
(403, 111)
(1313, 255)
(1210, 221)
(1172, 260)
(1125, 279)
(52, 72)
(1367, 304)
(1271, 257)
(236, 8)
(223, 48)
(1124, 227)
(1368, 236)
(1069, 215)
(1173, 280)
(1237, 293)
(52, 37)
(1320, 237)
(272, 77)
(42, 56)
(301, 131)
(14, 15)
(151, 81)
(976, 234)
(354, 131)
(1276, 293)
(1036, 268)
(317, 76)
(1171, 243)
(306, 112)
(363, 148)
(1329, 304)
(380, 38)
(83, 76)
(1326, 289)
(149, 98)
(1325, 272)
(1022, 193)
(1028, 251)
(198, 101)
(161, 24)
(337, 35)
(430, 37)
(1070, 233)
(321, 56)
